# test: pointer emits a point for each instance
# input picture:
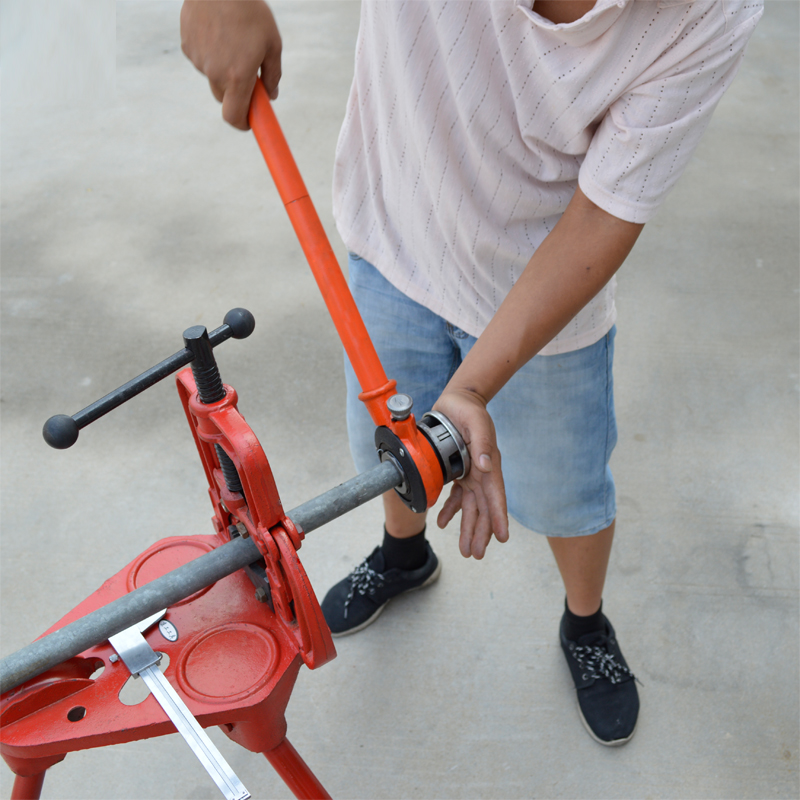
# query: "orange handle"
(376, 388)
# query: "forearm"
(572, 265)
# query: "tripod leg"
(28, 787)
(296, 773)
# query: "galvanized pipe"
(96, 627)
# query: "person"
(496, 164)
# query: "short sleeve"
(647, 136)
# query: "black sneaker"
(607, 698)
(358, 600)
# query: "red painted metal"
(28, 787)
(294, 771)
(235, 660)
(375, 388)
(260, 514)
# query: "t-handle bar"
(61, 431)
(376, 388)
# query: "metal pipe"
(346, 496)
(96, 627)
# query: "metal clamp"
(142, 660)
(448, 443)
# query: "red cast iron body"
(235, 660)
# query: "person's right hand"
(228, 41)
(481, 495)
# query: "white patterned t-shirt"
(470, 124)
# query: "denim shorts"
(554, 419)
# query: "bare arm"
(229, 41)
(581, 254)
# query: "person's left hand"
(481, 496)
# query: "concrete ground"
(130, 211)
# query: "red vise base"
(234, 661)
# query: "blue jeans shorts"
(555, 419)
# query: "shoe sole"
(431, 579)
(614, 742)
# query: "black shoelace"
(364, 580)
(598, 662)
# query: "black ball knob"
(60, 431)
(241, 322)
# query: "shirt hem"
(554, 347)
(585, 339)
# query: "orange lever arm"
(375, 387)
